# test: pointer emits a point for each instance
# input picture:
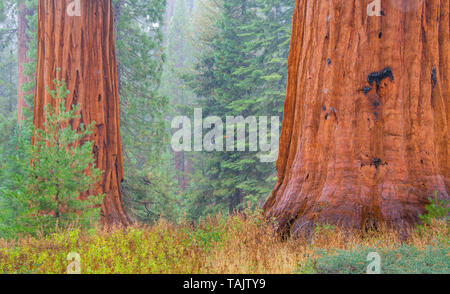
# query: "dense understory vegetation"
(242, 243)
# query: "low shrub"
(403, 260)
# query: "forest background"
(225, 57)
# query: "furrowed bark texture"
(83, 48)
(365, 135)
(22, 58)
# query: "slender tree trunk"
(183, 168)
(168, 15)
(22, 49)
(365, 135)
(83, 48)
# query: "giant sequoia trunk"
(84, 50)
(365, 135)
(22, 57)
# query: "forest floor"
(235, 244)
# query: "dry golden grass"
(253, 248)
(219, 245)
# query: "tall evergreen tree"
(90, 70)
(148, 181)
(241, 71)
(180, 57)
(8, 59)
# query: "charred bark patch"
(434, 76)
(331, 111)
(366, 90)
(377, 162)
(377, 77)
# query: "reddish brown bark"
(83, 48)
(22, 58)
(359, 148)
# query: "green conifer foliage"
(49, 177)
(241, 71)
(149, 184)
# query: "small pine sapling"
(62, 167)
